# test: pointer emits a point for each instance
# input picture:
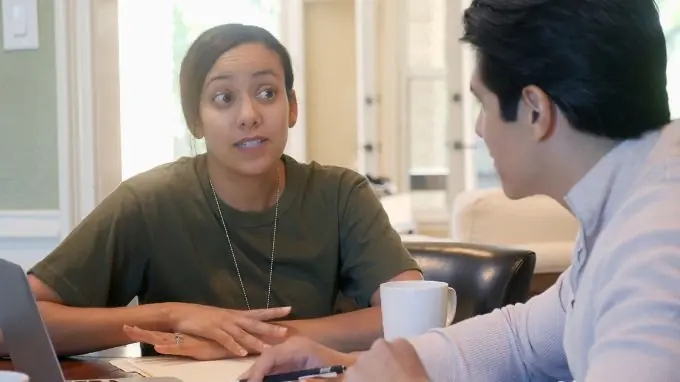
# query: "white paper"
(184, 369)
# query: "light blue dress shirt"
(614, 315)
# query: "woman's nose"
(249, 116)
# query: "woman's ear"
(197, 129)
(292, 109)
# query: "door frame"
(87, 107)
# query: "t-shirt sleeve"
(371, 250)
(101, 262)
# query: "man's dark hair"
(208, 47)
(602, 62)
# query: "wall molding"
(86, 41)
(30, 224)
(27, 236)
(293, 37)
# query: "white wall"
(28, 236)
(331, 77)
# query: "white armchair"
(537, 223)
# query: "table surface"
(83, 368)
(94, 366)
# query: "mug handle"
(451, 306)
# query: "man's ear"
(536, 109)
(292, 109)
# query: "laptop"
(25, 334)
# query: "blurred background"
(382, 86)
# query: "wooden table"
(83, 368)
(94, 366)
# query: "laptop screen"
(25, 335)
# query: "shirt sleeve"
(371, 250)
(101, 262)
(521, 342)
(637, 308)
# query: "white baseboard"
(26, 237)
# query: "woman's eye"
(266, 94)
(222, 98)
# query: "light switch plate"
(20, 24)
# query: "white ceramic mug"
(13, 376)
(411, 308)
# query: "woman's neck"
(247, 193)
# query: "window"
(427, 103)
(151, 49)
(443, 149)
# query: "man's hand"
(385, 361)
(164, 343)
(237, 331)
(297, 353)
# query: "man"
(574, 106)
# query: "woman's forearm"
(346, 332)
(77, 331)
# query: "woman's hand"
(297, 353)
(190, 346)
(237, 331)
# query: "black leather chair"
(484, 277)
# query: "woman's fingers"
(260, 328)
(240, 332)
(267, 314)
(189, 346)
(225, 339)
(244, 338)
(196, 348)
(148, 336)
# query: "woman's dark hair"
(208, 47)
(602, 62)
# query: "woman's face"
(244, 110)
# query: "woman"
(219, 245)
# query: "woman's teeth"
(251, 143)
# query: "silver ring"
(178, 339)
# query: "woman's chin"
(256, 166)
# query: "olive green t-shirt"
(158, 236)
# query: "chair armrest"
(551, 256)
(485, 277)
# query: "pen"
(328, 371)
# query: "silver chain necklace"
(233, 255)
